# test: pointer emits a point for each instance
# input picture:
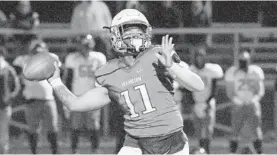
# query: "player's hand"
(56, 74)
(165, 55)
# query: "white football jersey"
(207, 74)
(84, 70)
(246, 85)
(33, 89)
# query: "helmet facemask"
(131, 38)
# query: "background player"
(132, 82)
(10, 87)
(205, 104)
(79, 77)
(245, 88)
(40, 101)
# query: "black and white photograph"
(138, 77)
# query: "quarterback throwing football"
(153, 122)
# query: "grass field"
(107, 146)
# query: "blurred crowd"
(93, 15)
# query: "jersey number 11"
(145, 97)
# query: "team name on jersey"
(131, 81)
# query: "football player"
(80, 77)
(153, 122)
(204, 107)
(10, 86)
(245, 88)
(40, 101)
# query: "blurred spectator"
(93, 15)
(23, 18)
(268, 13)
(201, 12)
(3, 23)
(8, 79)
(3, 19)
(132, 4)
(168, 16)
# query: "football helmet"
(200, 57)
(244, 60)
(132, 42)
(87, 40)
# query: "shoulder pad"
(258, 70)
(215, 70)
(230, 72)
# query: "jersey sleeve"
(69, 61)
(216, 71)
(229, 75)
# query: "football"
(39, 67)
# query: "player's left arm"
(261, 87)
(179, 72)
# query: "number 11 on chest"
(145, 99)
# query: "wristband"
(56, 82)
